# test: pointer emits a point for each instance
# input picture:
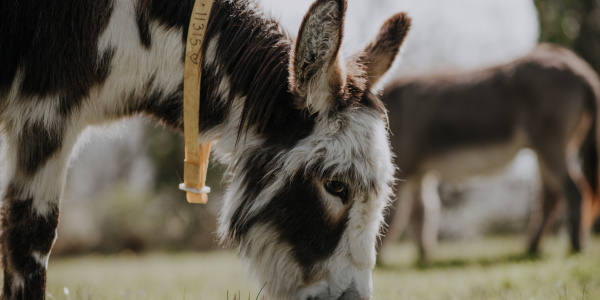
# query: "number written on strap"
(196, 155)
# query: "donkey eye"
(338, 189)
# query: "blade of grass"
(266, 284)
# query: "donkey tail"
(589, 155)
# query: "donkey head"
(306, 211)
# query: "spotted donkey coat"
(304, 136)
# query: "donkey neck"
(244, 96)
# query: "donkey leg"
(580, 197)
(430, 201)
(27, 238)
(402, 209)
(425, 214)
(574, 210)
(30, 212)
(589, 209)
(544, 213)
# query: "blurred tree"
(587, 43)
(574, 24)
(167, 152)
(558, 21)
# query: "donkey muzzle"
(351, 294)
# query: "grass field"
(491, 268)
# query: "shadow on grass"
(463, 262)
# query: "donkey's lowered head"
(306, 212)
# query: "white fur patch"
(210, 57)
(431, 206)
(18, 282)
(268, 260)
(133, 65)
(41, 258)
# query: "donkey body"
(304, 136)
(452, 127)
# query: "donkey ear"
(379, 55)
(315, 73)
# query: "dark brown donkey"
(475, 123)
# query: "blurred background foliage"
(135, 205)
(574, 24)
(122, 191)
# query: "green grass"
(492, 268)
(158, 276)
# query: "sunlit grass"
(492, 268)
(157, 276)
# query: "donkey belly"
(461, 163)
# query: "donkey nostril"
(350, 294)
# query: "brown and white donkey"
(474, 123)
(302, 132)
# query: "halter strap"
(196, 155)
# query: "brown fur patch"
(381, 52)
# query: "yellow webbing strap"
(196, 155)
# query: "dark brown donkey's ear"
(316, 75)
(379, 55)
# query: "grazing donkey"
(475, 123)
(304, 136)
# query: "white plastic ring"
(204, 190)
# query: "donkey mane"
(255, 55)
